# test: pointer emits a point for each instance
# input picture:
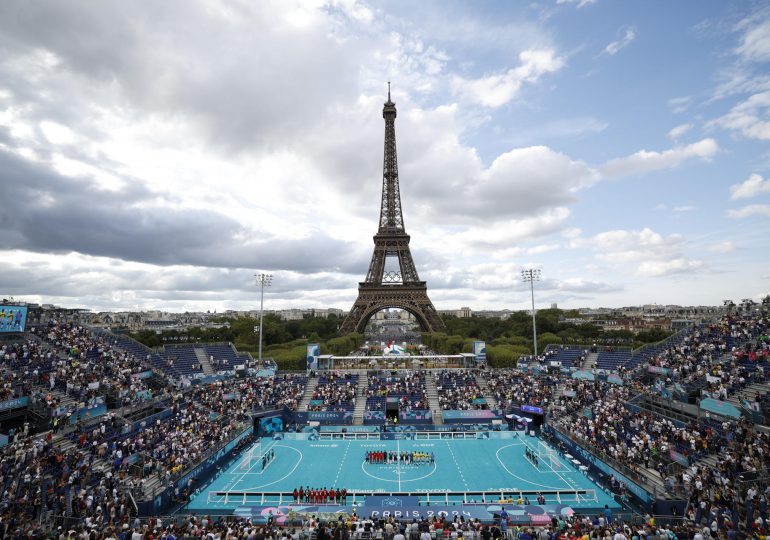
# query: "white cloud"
(755, 45)
(580, 3)
(500, 88)
(678, 131)
(722, 247)
(748, 117)
(680, 104)
(643, 252)
(543, 248)
(750, 210)
(645, 161)
(616, 46)
(275, 160)
(665, 268)
(57, 134)
(506, 233)
(751, 187)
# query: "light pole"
(263, 280)
(530, 275)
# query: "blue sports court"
(464, 470)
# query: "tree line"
(506, 339)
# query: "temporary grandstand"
(202, 428)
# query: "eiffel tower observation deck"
(392, 280)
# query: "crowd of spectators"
(109, 457)
(459, 390)
(409, 387)
(633, 438)
(241, 396)
(512, 387)
(84, 365)
(335, 391)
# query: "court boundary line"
(301, 457)
(571, 485)
(566, 466)
(497, 456)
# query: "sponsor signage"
(484, 415)
(587, 457)
(532, 409)
(480, 351)
(678, 457)
(15, 403)
(720, 407)
(313, 352)
(408, 510)
(658, 369)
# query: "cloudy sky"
(157, 155)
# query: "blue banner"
(394, 507)
(584, 374)
(658, 369)
(87, 413)
(323, 417)
(211, 460)
(148, 421)
(587, 457)
(532, 409)
(12, 319)
(720, 407)
(480, 350)
(679, 458)
(416, 416)
(484, 415)
(16, 403)
(313, 352)
(374, 417)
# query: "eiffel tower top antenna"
(391, 218)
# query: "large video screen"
(270, 425)
(12, 319)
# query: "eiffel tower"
(391, 285)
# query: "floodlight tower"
(263, 280)
(530, 275)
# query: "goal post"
(246, 460)
(547, 454)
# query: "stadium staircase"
(204, 360)
(747, 393)
(308, 395)
(358, 413)
(590, 361)
(484, 387)
(432, 393)
(653, 479)
(65, 400)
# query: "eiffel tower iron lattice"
(397, 286)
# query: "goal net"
(247, 460)
(547, 454)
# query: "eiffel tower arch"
(392, 280)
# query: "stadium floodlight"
(530, 275)
(263, 280)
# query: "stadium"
(157, 157)
(102, 432)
